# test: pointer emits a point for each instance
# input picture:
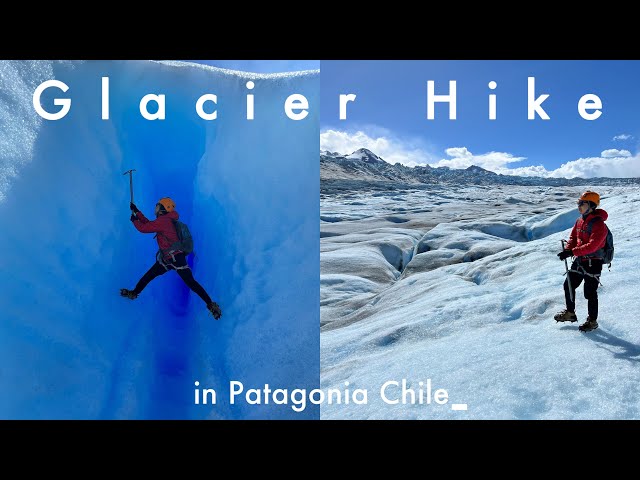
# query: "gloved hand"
(133, 217)
(133, 207)
(565, 254)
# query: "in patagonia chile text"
(391, 392)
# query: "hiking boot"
(565, 316)
(589, 325)
(130, 294)
(215, 310)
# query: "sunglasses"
(582, 202)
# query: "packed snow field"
(458, 285)
(70, 346)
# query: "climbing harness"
(581, 271)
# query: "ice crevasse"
(70, 346)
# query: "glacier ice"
(70, 346)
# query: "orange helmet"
(590, 196)
(167, 204)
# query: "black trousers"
(185, 274)
(590, 285)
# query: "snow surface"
(459, 285)
(70, 346)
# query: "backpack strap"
(170, 250)
(597, 253)
(590, 223)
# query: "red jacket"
(162, 226)
(583, 244)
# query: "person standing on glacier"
(166, 258)
(586, 242)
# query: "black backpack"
(185, 240)
(606, 252)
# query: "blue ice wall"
(70, 346)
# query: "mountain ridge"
(364, 165)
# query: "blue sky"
(389, 115)
(263, 66)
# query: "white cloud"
(622, 136)
(612, 153)
(624, 167)
(384, 144)
(463, 158)
(610, 163)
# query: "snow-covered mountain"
(365, 166)
(367, 156)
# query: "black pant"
(590, 285)
(185, 274)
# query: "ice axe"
(130, 172)
(568, 274)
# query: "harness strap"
(169, 252)
(580, 270)
(160, 257)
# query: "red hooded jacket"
(580, 242)
(162, 226)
